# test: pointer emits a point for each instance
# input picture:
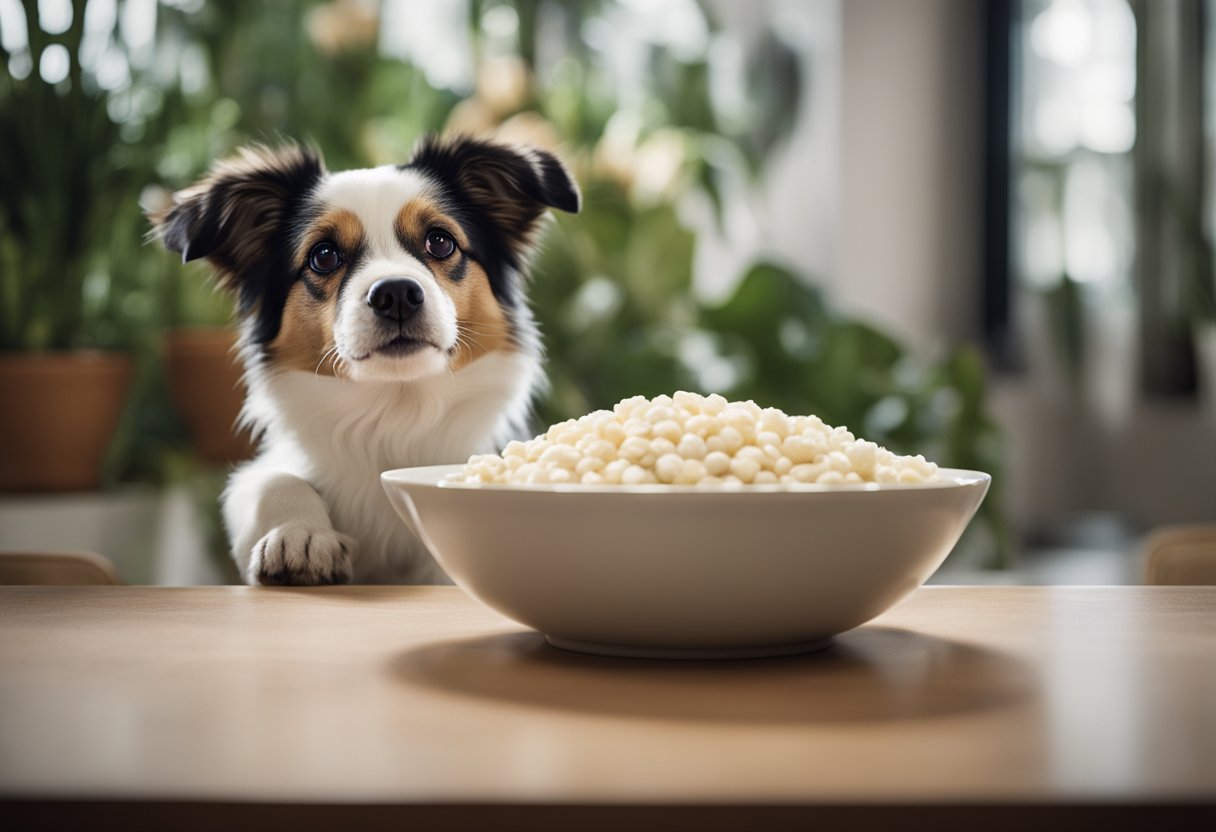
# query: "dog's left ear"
(511, 185)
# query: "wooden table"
(413, 708)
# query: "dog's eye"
(324, 258)
(439, 244)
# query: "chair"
(1181, 556)
(56, 569)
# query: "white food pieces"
(690, 439)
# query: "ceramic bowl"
(685, 571)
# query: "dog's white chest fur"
(338, 436)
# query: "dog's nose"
(395, 298)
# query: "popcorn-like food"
(689, 439)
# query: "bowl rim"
(433, 476)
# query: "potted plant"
(62, 379)
(203, 373)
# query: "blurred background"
(978, 231)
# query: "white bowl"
(685, 571)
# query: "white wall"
(910, 244)
(792, 216)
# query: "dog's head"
(389, 273)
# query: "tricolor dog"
(384, 324)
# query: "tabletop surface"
(402, 694)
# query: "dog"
(383, 324)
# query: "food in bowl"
(690, 439)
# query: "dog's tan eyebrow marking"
(340, 226)
(418, 216)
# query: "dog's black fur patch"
(243, 218)
(498, 195)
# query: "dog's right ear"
(233, 214)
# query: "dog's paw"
(294, 555)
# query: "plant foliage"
(613, 288)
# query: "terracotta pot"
(58, 415)
(205, 387)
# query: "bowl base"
(627, 651)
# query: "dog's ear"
(512, 186)
(232, 215)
